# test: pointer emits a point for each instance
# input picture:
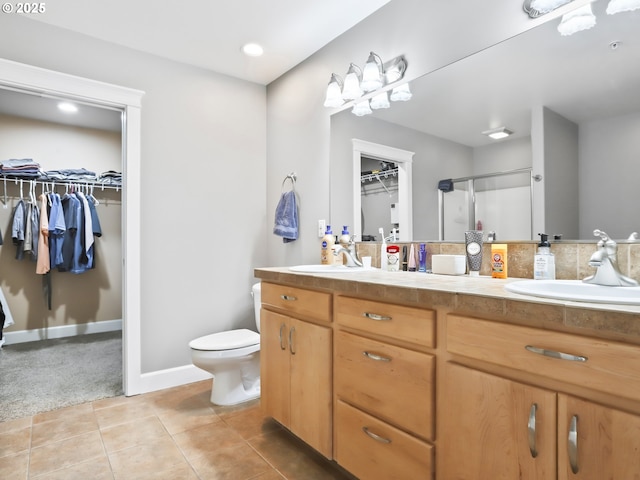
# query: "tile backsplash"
(572, 259)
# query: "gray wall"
(203, 168)
(609, 173)
(298, 126)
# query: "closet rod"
(59, 183)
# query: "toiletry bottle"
(383, 250)
(422, 258)
(412, 259)
(473, 244)
(499, 260)
(326, 251)
(393, 258)
(544, 263)
(344, 242)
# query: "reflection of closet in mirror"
(368, 157)
(501, 202)
(379, 197)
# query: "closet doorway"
(28, 80)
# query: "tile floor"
(172, 434)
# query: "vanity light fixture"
(361, 108)
(581, 18)
(381, 100)
(372, 74)
(498, 133)
(370, 85)
(351, 88)
(401, 93)
(617, 6)
(535, 8)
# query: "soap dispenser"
(544, 264)
(326, 250)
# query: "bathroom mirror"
(539, 85)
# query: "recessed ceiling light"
(67, 107)
(498, 133)
(253, 49)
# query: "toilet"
(233, 358)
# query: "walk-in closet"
(78, 310)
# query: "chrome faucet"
(606, 261)
(349, 253)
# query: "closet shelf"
(60, 183)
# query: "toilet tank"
(257, 301)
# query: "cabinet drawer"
(602, 365)
(372, 449)
(307, 303)
(394, 383)
(409, 324)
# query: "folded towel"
(286, 222)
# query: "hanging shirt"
(43, 264)
(70, 207)
(57, 228)
(17, 229)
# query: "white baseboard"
(171, 377)
(23, 336)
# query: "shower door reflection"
(497, 202)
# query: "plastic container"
(326, 249)
(393, 258)
(473, 244)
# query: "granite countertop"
(479, 296)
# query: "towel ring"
(292, 177)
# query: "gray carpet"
(41, 376)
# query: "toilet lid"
(226, 340)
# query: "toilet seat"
(229, 340)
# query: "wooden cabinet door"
(311, 397)
(596, 442)
(494, 428)
(274, 366)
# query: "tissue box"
(449, 264)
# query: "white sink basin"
(577, 291)
(326, 269)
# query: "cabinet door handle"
(291, 332)
(374, 436)
(375, 356)
(572, 442)
(554, 354)
(282, 345)
(532, 430)
(288, 298)
(375, 316)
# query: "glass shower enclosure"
(498, 203)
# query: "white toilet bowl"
(233, 358)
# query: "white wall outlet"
(322, 227)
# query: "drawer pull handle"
(288, 298)
(554, 354)
(375, 316)
(282, 345)
(573, 444)
(532, 430)
(378, 438)
(291, 332)
(375, 356)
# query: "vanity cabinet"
(495, 427)
(384, 381)
(296, 362)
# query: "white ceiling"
(211, 33)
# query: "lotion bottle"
(326, 250)
(544, 263)
(344, 242)
(383, 250)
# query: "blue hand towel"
(286, 222)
